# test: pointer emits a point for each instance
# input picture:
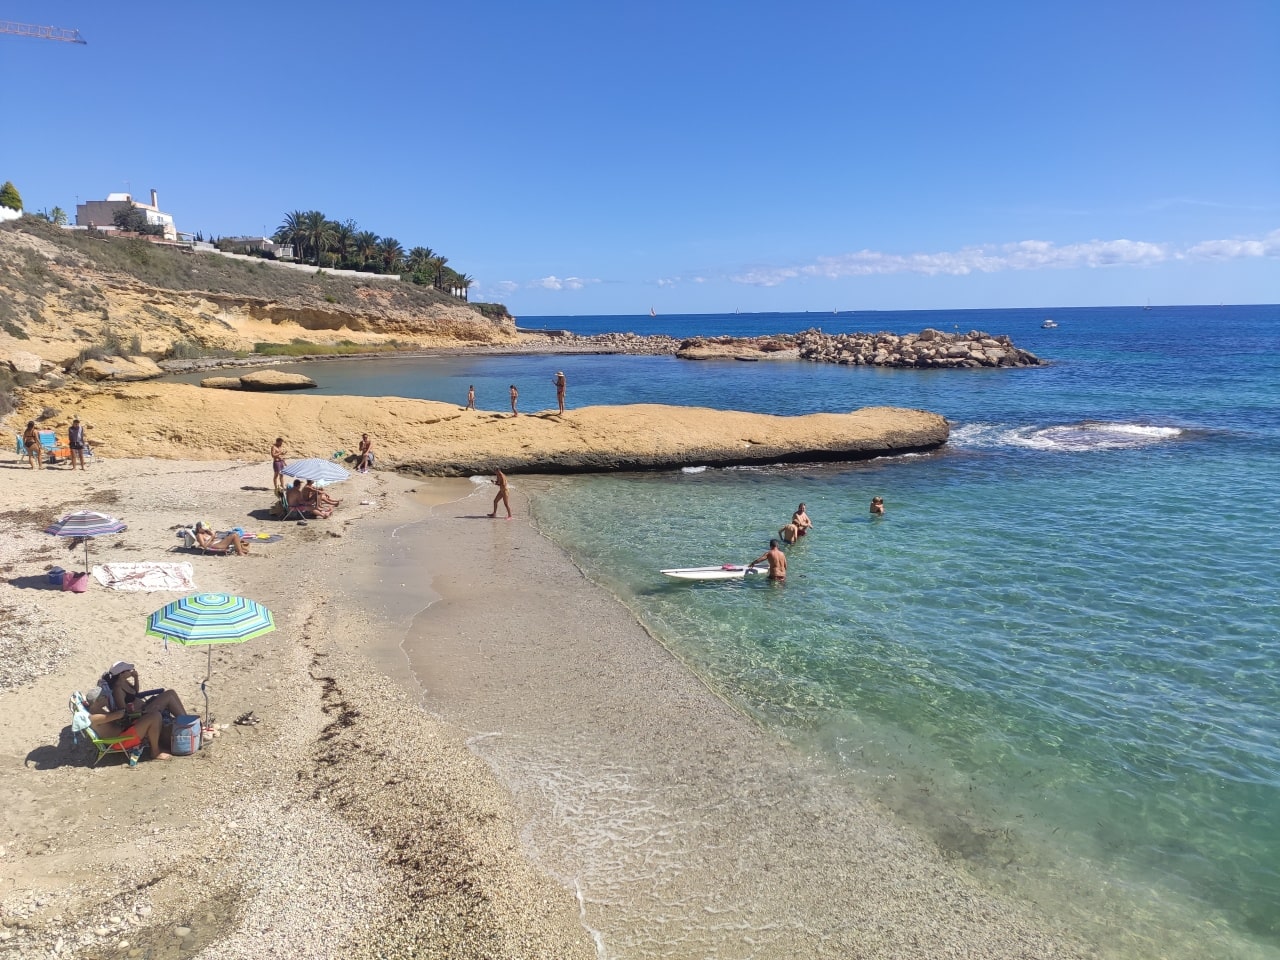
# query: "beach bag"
(75, 582)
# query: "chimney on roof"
(155, 201)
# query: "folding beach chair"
(291, 513)
(81, 723)
(49, 444)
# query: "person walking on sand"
(777, 561)
(471, 398)
(504, 495)
(560, 385)
(515, 395)
(31, 445)
(75, 440)
(277, 464)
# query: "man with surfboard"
(776, 559)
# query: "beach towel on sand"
(145, 576)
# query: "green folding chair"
(82, 723)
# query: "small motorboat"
(1049, 324)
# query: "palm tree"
(344, 238)
(420, 258)
(366, 242)
(437, 264)
(465, 282)
(58, 216)
(319, 233)
(392, 254)
(292, 231)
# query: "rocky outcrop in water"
(928, 348)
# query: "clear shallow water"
(1060, 645)
(1060, 642)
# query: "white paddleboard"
(725, 571)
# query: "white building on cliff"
(101, 213)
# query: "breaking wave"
(1082, 437)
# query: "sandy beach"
(446, 766)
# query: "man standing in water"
(503, 496)
(560, 384)
(777, 561)
(471, 398)
(801, 519)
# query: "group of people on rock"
(790, 533)
(559, 382)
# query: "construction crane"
(41, 33)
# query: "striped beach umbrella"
(86, 524)
(317, 470)
(209, 618)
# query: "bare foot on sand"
(163, 756)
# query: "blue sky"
(588, 157)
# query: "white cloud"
(1268, 246)
(1023, 255)
(557, 283)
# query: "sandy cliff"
(61, 292)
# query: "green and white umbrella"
(209, 618)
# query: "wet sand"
(683, 828)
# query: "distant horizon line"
(769, 313)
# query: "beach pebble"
(182, 932)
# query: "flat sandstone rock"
(221, 383)
(125, 369)
(182, 421)
(275, 380)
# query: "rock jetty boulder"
(120, 369)
(275, 380)
(928, 348)
(221, 383)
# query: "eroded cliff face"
(61, 292)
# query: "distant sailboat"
(652, 312)
(1148, 306)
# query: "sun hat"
(119, 667)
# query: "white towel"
(145, 576)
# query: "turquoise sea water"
(1059, 646)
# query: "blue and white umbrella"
(85, 523)
(209, 618)
(317, 470)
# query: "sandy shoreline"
(368, 817)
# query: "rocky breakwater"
(928, 348)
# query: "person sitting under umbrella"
(228, 541)
(121, 687)
(117, 723)
(305, 497)
(318, 495)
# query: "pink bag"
(75, 582)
